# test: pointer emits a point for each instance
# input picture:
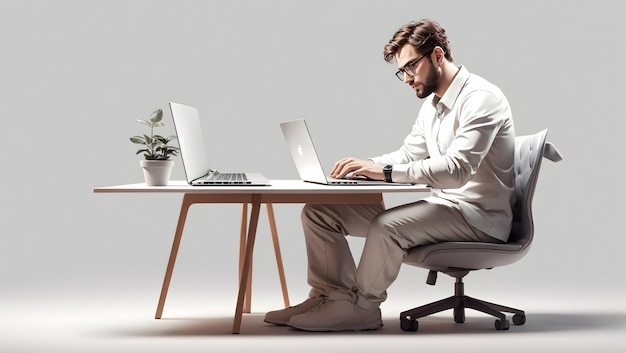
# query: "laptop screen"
(193, 151)
(302, 150)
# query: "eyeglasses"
(409, 68)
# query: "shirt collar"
(453, 91)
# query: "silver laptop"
(305, 157)
(194, 153)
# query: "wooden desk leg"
(184, 208)
(242, 248)
(247, 306)
(243, 283)
(279, 258)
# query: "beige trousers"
(389, 233)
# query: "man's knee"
(379, 227)
(318, 216)
(309, 212)
(382, 227)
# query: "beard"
(431, 83)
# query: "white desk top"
(276, 187)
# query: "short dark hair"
(423, 35)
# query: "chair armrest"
(550, 152)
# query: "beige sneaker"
(338, 315)
(282, 316)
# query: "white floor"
(123, 324)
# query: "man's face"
(425, 79)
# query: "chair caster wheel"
(519, 319)
(408, 325)
(502, 324)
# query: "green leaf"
(157, 116)
(138, 140)
(147, 123)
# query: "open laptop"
(305, 157)
(194, 153)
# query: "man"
(462, 144)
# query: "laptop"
(194, 153)
(305, 157)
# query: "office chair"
(457, 259)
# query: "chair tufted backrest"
(529, 152)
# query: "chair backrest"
(529, 151)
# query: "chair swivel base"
(459, 302)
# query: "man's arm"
(480, 116)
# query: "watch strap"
(387, 171)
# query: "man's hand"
(350, 167)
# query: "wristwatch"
(387, 170)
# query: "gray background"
(74, 76)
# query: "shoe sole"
(279, 323)
(368, 327)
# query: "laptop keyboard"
(231, 177)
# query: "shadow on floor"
(253, 325)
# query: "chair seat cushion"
(464, 255)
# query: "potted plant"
(157, 165)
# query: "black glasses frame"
(409, 68)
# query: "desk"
(280, 191)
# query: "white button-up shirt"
(463, 146)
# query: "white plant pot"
(157, 172)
